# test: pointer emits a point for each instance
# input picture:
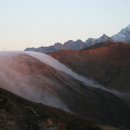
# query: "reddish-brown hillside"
(109, 64)
(44, 82)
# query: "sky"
(35, 23)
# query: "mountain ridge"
(41, 82)
(122, 36)
(107, 63)
(18, 113)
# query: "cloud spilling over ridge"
(26, 85)
(88, 82)
(46, 59)
(22, 84)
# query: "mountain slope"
(50, 84)
(19, 114)
(107, 63)
(122, 36)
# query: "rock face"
(122, 36)
(103, 38)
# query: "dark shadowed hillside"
(122, 36)
(19, 114)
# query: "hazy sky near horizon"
(34, 23)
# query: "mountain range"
(86, 86)
(92, 83)
(122, 36)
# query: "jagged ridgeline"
(122, 36)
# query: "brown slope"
(95, 105)
(108, 64)
(17, 113)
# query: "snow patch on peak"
(128, 26)
(123, 35)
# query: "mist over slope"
(40, 78)
(108, 63)
(17, 113)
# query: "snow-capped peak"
(104, 35)
(128, 26)
(123, 35)
(103, 38)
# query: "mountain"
(89, 42)
(103, 38)
(108, 63)
(122, 36)
(40, 78)
(17, 113)
(69, 45)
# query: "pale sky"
(34, 23)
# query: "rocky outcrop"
(123, 35)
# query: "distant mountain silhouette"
(122, 36)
